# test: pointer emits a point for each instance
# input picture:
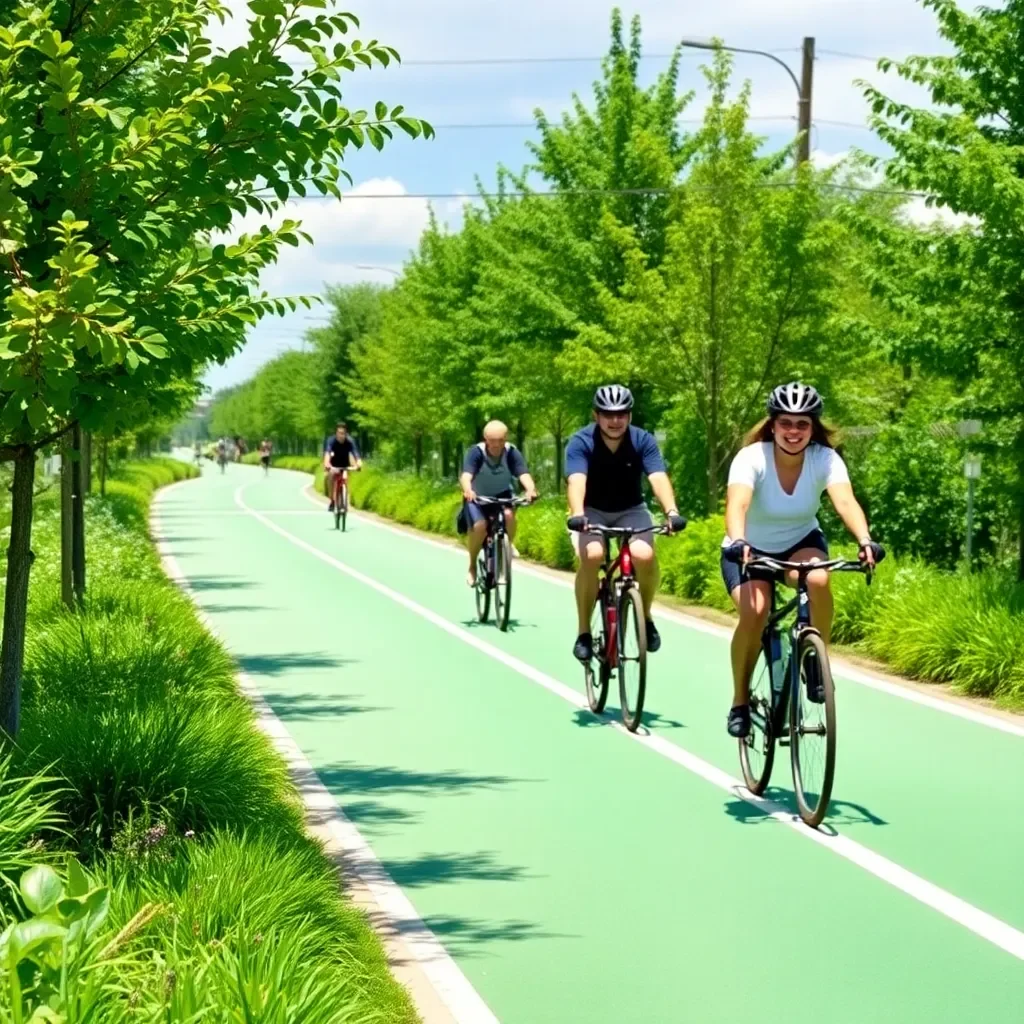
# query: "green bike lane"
(570, 871)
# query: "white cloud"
(917, 211)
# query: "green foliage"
(129, 143)
(157, 777)
(960, 291)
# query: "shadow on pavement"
(213, 609)
(465, 937)
(586, 719)
(429, 868)
(294, 706)
(840, 812)
(203, 583)
(275, 664)
(346, 778)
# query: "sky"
(497, 101)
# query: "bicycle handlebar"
(621, 531)
(482, 499)
(805, 568)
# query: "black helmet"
(795, 398)
(613, 398)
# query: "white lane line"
(978, 921)
(840, 666)
(451, 985)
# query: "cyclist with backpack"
(489, 470)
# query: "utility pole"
(804, 112)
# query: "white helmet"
(796, 399)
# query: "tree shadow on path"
(276, 664)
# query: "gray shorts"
(637, 518)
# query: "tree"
(355, 314)
(964, 294)
(736, 295)
(126, 142)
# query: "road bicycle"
(618, 628)
(494, 563)
(339, 494)
(222, 461)
(781, 711)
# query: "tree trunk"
(67, 543)
(103, 468)
(78, 516)
(419, 454)
(19, 562)
(87, 462)
(559, 469)
(520, 435)
(1020, 503)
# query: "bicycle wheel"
(483, 587)
(812, 729)
(596, 677)
(502, 581)
(344, 506)
(632, 657)
(757, 748)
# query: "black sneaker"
(583, 649)
(739, 721)
(812, 677)
(330, 507)
(653, 637)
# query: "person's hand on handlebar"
(577, 524)
(469, 494)
(675, 522)
(870, 553)
(738, 551)
(531, 495)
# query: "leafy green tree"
(739, 293)
(125, 143)
(355, 313)
(963, 290)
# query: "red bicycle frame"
(340, 478)
(623, 565)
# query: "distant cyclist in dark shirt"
(489, 470)
(605, 464)
(340, 452)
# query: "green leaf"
(40, 885)
(78, 881)
(38, 414)
(28, 936)
(381, 110)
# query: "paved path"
(572, 872)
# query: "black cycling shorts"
(732, 572)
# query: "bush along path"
(154, 863)
(922, 622)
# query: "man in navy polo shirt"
(605, 464)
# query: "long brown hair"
(821, 433)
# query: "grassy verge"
(201, 896)
(924, 623)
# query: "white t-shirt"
(777, 520)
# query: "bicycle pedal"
(784, 740)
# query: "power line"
(520, 194)
(484, 125)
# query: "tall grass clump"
(138, 755)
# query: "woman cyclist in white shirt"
(772, 501)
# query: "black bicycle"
(781, 706)
(619, 629)
(494, 563)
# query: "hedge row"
(923, 622)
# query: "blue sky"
(383, 231)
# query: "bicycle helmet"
(613, 398)
(796, 399)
